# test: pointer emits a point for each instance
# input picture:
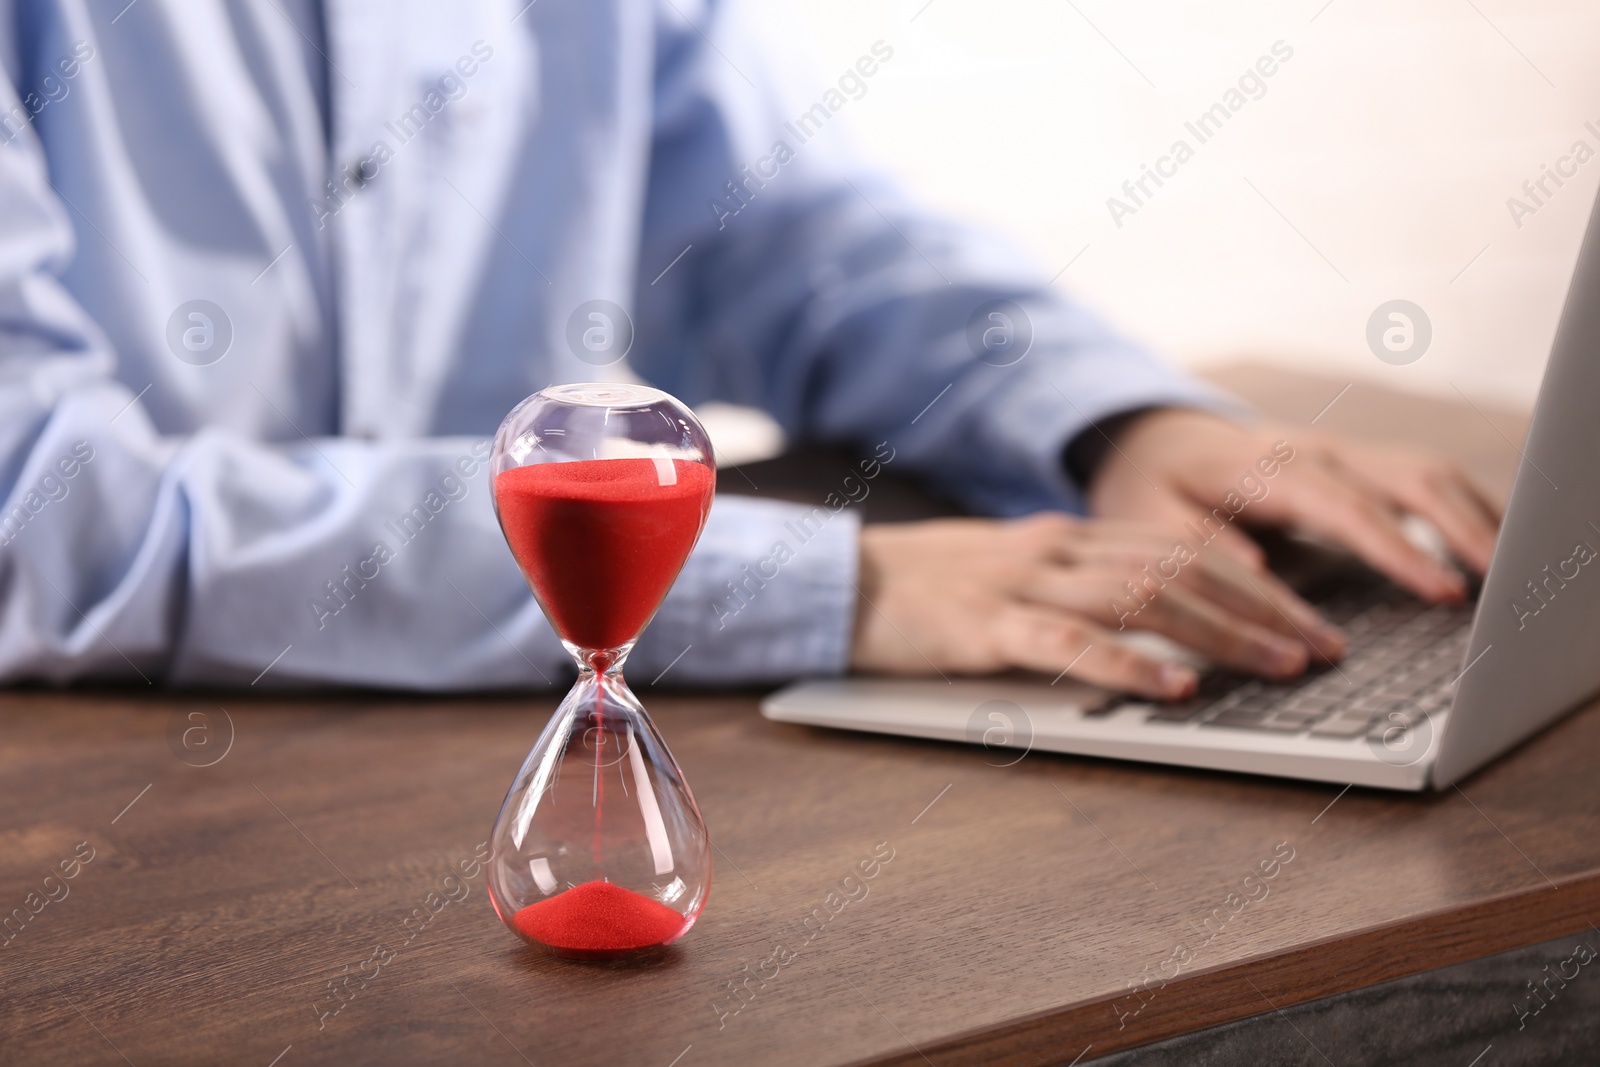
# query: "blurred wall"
(1375, 163)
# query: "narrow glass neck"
(603, 661)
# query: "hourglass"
(601, 491)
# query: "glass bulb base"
(599, 850)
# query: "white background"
(1391, 140)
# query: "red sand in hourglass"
(601, 540)
(600, 917)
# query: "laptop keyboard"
(1403, 660)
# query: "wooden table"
(222, 903)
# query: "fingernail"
(1284, 655)
(1329, 639)
(1177, 681)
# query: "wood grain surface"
(224, 903)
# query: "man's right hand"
(1047, 593)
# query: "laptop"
(1426, 694)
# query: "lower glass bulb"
(599, 849)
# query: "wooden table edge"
(1323, 968)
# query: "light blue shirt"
(267, 286)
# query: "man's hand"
(1049, 593)
(1175, 466)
